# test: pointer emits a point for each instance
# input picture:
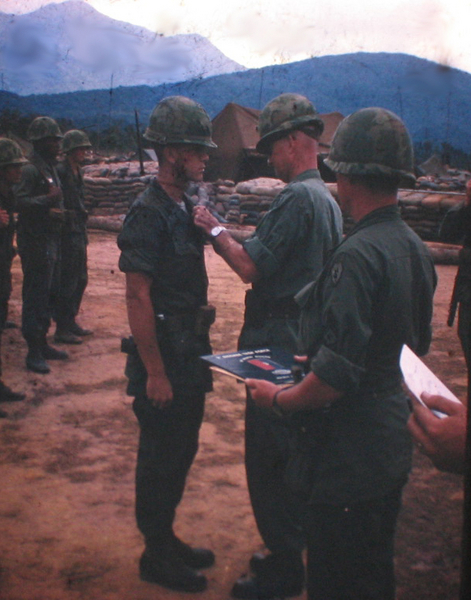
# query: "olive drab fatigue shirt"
(374, 295)
(32, 201)
(160, 240)
(7, 251)
(289, 248)
(74, 199)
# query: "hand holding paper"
(443, 440)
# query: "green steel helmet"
(179, 120)
(10, 153)
(75, 139)
(43, 127)
(283, 114)
(372, 141)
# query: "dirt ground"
(67, 457)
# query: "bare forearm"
(236, 257)
(310, 394)
(226, 246)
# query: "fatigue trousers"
(168, 443)
(351, 549)
(73, 278)
(276, 509)
(40, 262)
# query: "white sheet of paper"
(419, 378)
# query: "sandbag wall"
(106, 197)
(246, 202)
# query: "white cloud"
(261, 32)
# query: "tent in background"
(235, 133)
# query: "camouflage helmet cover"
(75, 139)
(179, 120)
(372, 141)
(283, 114)
(43, 127)
(10, 153)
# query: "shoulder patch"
(336, 272)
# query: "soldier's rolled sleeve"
(347, 315)
(336, 370)
(264, 259)
(280, 230)
(139, 242)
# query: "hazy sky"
(261, 32)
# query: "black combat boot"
(51, 353)
(8, 395)
(77, 330)
(35, 360)
(164, 567)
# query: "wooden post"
(139, 145)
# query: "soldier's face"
(50, 146)
(191, 162)
(11, 174)
(78, 155)
(279, 157)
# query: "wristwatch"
(215, 231)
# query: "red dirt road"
(67, 456)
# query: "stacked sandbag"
(246, 202)
(111, 188)
(422, 210)
(105, 196)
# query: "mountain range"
(70, 46)
(432, 99)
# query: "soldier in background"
(11, 163)
(286, 252)
(40, 219)
(73, 271)
(456, 229)
(162, 254)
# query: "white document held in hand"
(419, 378)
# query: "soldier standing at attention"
(162, 254)
(11, 163)
(456, 229)
(73, 273)
(349, 414)
(40, 218)
(286, 252)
